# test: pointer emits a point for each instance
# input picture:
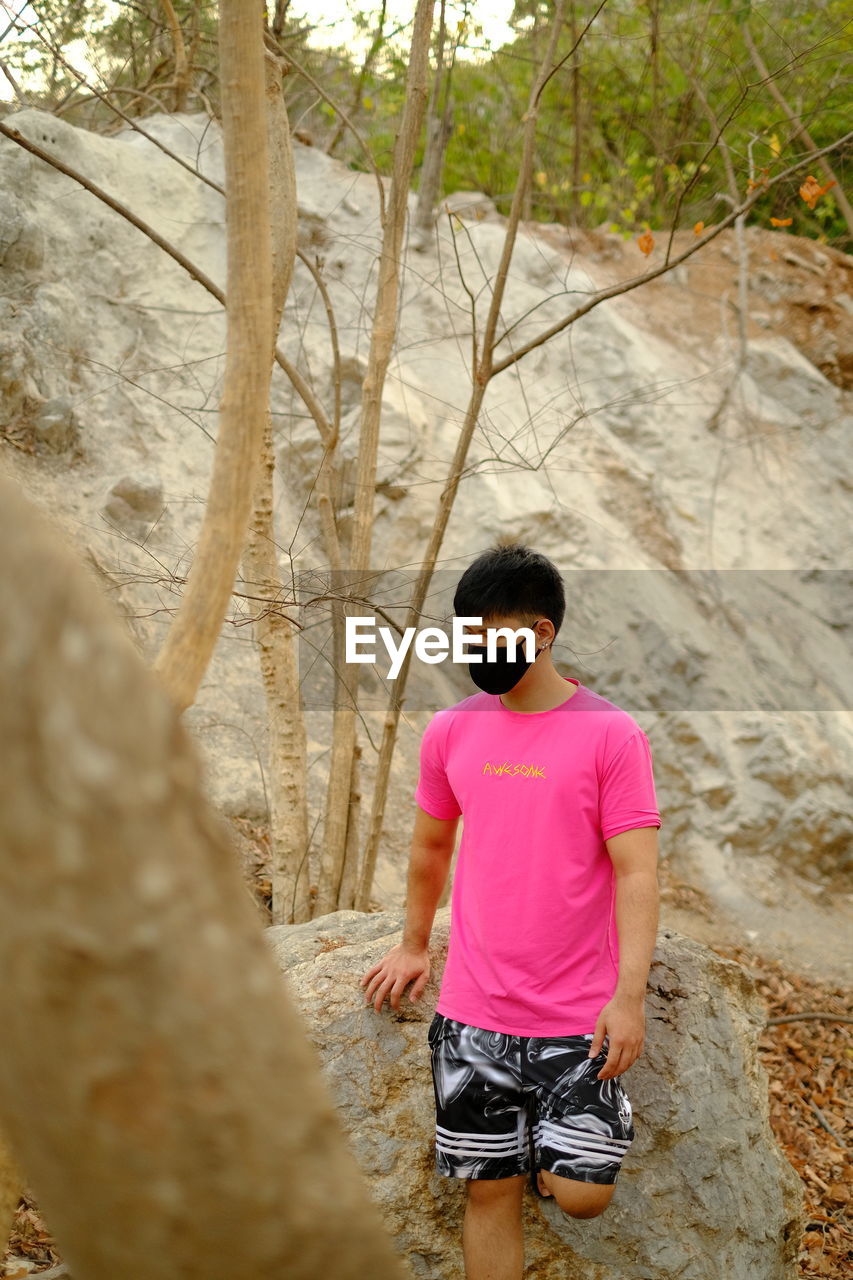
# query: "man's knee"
(586, 1211)
(579, 1199)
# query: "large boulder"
(704, 1191)
(592, 450)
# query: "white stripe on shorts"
(583, 1133)
(462, 1143)
(467, 1146)
(487, 1137)
(569, 1138)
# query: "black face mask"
(500, 675)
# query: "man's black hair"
(514, 582)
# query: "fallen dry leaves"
(809, 1063)
(31, 1246)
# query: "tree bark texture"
(275, 637)
(156, 1083)
(192, 637)
(181, 84)
(338, 850)
(481, 374)
(439, 127)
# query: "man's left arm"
(634, 855)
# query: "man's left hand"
(623, 1020)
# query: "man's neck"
(543, 693)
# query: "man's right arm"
(433, 842)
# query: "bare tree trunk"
(188, 647)
(577, 127)
(481, 375)
(19, 93)
(287, 766)
(274, 635)
(742, 248)
(181, 83)
(361, 80)
(439, 126)
(155, 1080)
(349, 879)
(328, 475)
(797, 124)
(655, 121)
(280, 17)
(336, 847)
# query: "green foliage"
(646, 138)
(654, 83)
(27, 48)
(738, 9)
(125, 47)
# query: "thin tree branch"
(244, 409)
(795, 122)
(338, 873)
(317, 275)
(825, 1123)
(801, 1017)
(306, 75)
(625, 286)
(300, 385)
(481, 374)
(95, 92)
(182, 68)
(485, 370)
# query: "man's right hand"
(390, 977)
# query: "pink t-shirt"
(533, 944)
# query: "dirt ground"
(797, 289)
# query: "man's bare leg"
(579, 1199)
(492, 1240)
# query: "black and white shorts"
(508, 1104)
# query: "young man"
(554, 914)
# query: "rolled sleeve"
(434, 793)
(627, 796)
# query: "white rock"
(594, 448)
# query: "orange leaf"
(646, 242)
(781, 222)
(811, 190)
(698, 228)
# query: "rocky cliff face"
(703, 1191)
(706, 555)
